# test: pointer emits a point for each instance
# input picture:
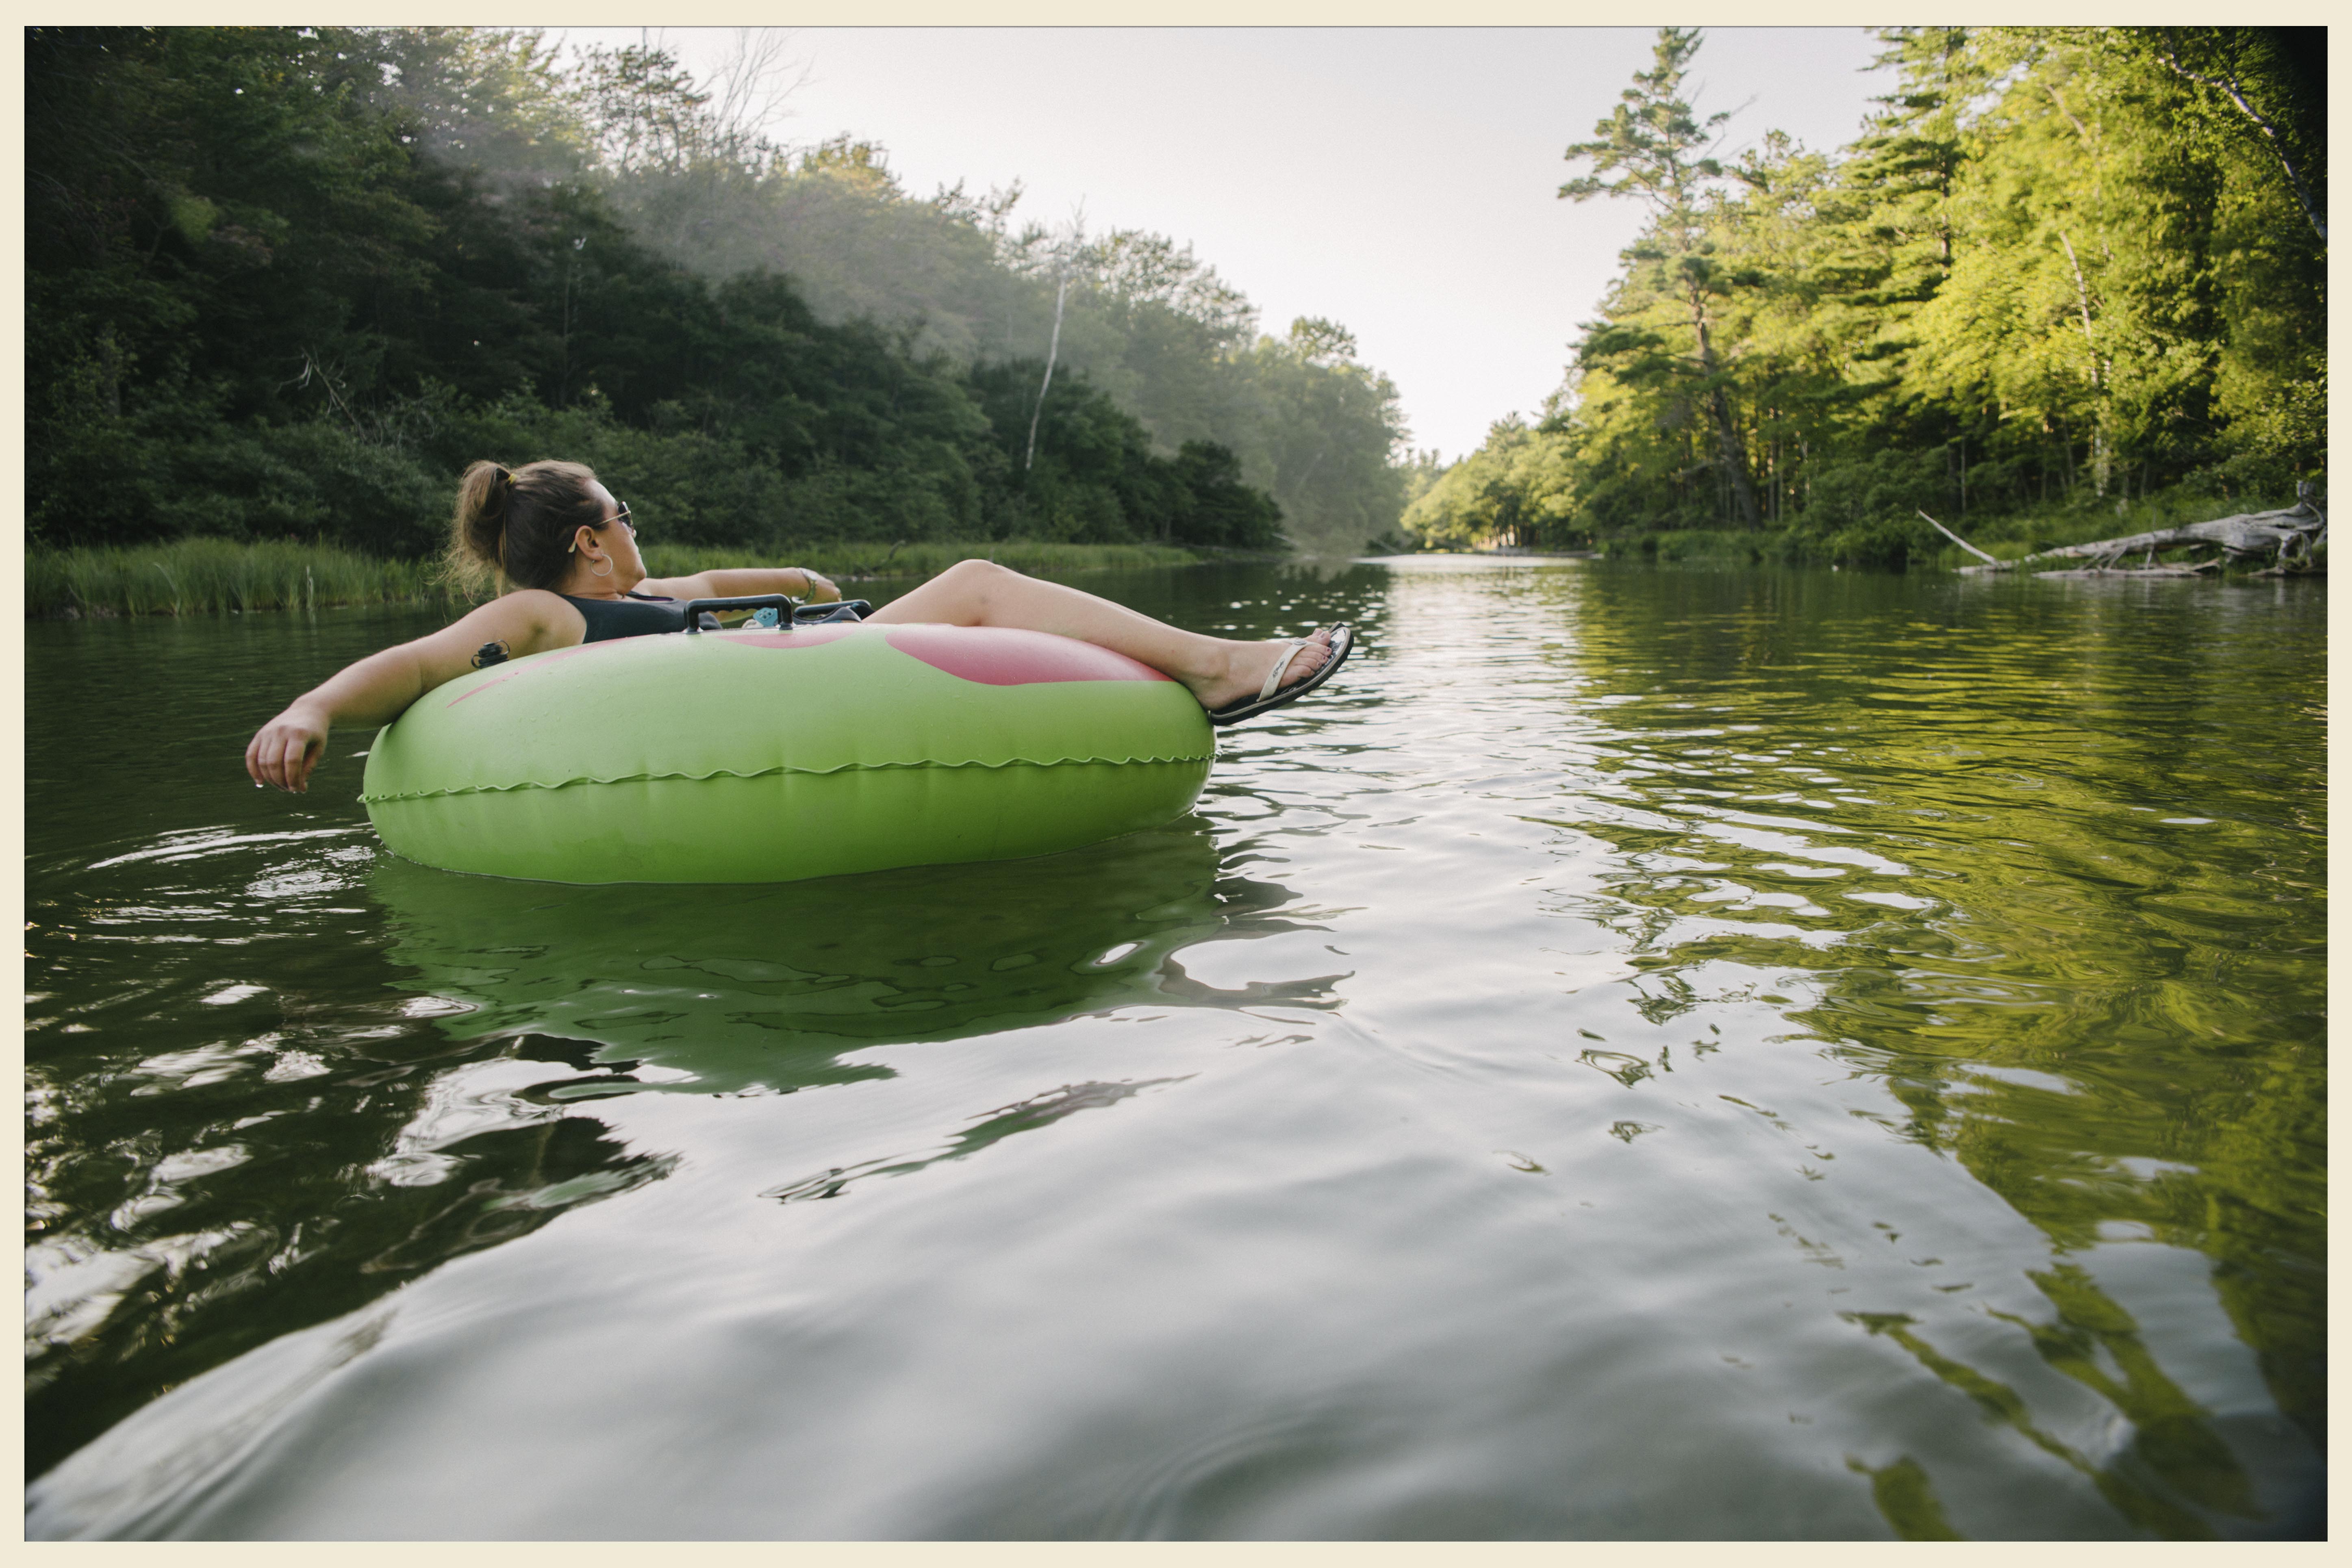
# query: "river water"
(1645, 1054)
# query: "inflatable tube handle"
(832, 611)
(694, 608)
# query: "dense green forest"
(2062, 271)
(286, 282)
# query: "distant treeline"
(285, 283)
(2062, 268)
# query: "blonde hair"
(514, 526)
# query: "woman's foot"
(1247, 664)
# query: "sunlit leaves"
(2060, 266)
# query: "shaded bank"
(286, 283)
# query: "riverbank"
(215, 576)
(223, 576)
(2009, 536)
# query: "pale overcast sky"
(1399, 181)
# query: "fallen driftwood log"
(2293, 535)
(2199, 570)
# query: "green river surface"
(1644, 1053)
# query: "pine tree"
(1659, 150)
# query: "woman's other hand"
(284, 751)
(820, 589)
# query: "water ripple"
(1644, 1055)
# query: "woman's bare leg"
(1217, 670)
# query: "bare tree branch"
(2229, 86)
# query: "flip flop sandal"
(1273, 694)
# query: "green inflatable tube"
(770, 757)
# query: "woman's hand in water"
(284, 751)
(378, 688)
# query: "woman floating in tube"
(568, 552)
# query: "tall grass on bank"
(212, 576)
(853, 561)
(1708, 547)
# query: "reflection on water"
(1647, 1054)
(2089, 876)
(725, 989)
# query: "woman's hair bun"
(517, 523)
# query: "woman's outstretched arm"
(379, 688)
(732, 582)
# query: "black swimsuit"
(639, 615)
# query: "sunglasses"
(622, 517)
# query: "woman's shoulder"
(526, 599)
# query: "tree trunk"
(2247, 534)
(1727, 436)
(1735, 460)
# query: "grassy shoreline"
(218, 576)
(2006, 537)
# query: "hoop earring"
(607, 572)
